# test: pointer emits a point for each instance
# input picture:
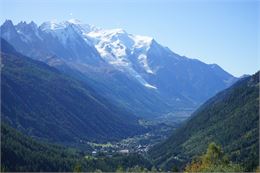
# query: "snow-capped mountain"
(112, 57)
(66, 29)
(115, 46)
(50, 39)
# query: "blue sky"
(225, 32)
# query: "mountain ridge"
(230, 118)
(178, 82)
(39, 99)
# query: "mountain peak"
(8, 23)
(49, 25)
(74, 21)
(8, 30)
(53, 25)
(33, 24)
(76, 24)
(116, 31)
(23, 24)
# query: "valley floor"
(156, 132)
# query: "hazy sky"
(225, 32)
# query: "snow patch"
(150, 86)
(143, 60)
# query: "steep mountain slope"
(231, 119)
(41, 101)
(109, 58)
(21, 153)
(178, 79)
(188, 81)
(53, 49)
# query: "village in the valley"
(137, 144)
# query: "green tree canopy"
(214, 160)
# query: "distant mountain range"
(231, 119)
(133, 71)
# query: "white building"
(124, 151)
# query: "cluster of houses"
(125, 151)
(109, 151)
(126, 146)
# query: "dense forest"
(22, 153)
(230, 119)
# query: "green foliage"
(118, 163)
(231, 118)
(214, 155)
(137, 169)
(120, 169)
(77, 168)
(175, 169)
(22, 153)
(213, 161)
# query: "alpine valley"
(75, 97)
(128, 69)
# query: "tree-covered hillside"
(22, 153)
(231, 119)
(41, 101)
